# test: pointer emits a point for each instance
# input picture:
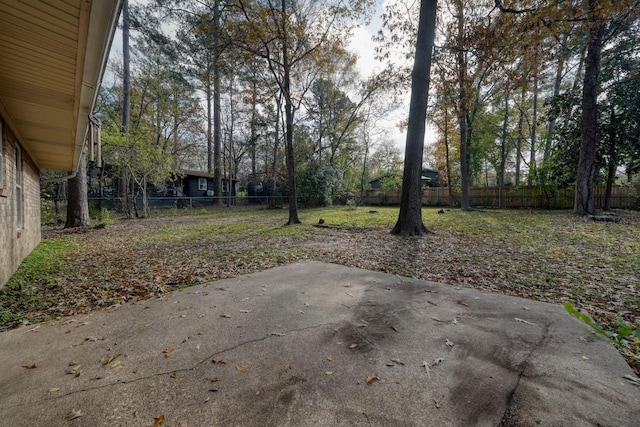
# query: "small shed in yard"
(52, 58)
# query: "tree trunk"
(534, 132)
(288, 114)
(447, 157)
(520, 135)
(254, 136)
(463, 111)
(410, 216)
(208, 94)
(123, 190)
(584, 203)
(611, 173)
(77, 202)
(503, 146)
(217, 173)
(556, 92)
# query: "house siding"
(16, 243)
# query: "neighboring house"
(429, 178)
(52, 57)
(200, 184)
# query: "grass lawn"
(546, 256)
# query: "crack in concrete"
(506, 415)
(159, 374)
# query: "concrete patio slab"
(315, 344)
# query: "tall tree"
(584, 203)
(410, 217)
(289, 35)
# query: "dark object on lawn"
(321, 221)
(602, 218)
(441, 211)
(373, 212)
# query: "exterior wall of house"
(17, 241)
(192, 186)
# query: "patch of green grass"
(349, 217)
(34, 283)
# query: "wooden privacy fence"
(622, 197)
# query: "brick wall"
(16, 243)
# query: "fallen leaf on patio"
(73, 370)
(330, 358)
(427, 369)
(68, 331)
(438, 403)
(213, 379)
(352, 346)
(54, 389)
(585, 358)
(455, 321)
(106, 361)
(186, 339)
(167, 351)
(524, 321)
(173, 375)
(258, 393)
(438, 361)
(75, 414)
(449, 343)
(461, 302)
(218, 362)
(116, 364)
(397, 361)
(239, 368)
(328, 373)
(226, 316)
(245, 311)
(32, 366)
(158, 420)
(371, 378)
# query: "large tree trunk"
(463, 111)
(584, 203)
(123, 189)
(410, 216)
(288, 115)
(77, 202)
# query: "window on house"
(202, 184)
(19, 185)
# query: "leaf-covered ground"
(546, 256)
